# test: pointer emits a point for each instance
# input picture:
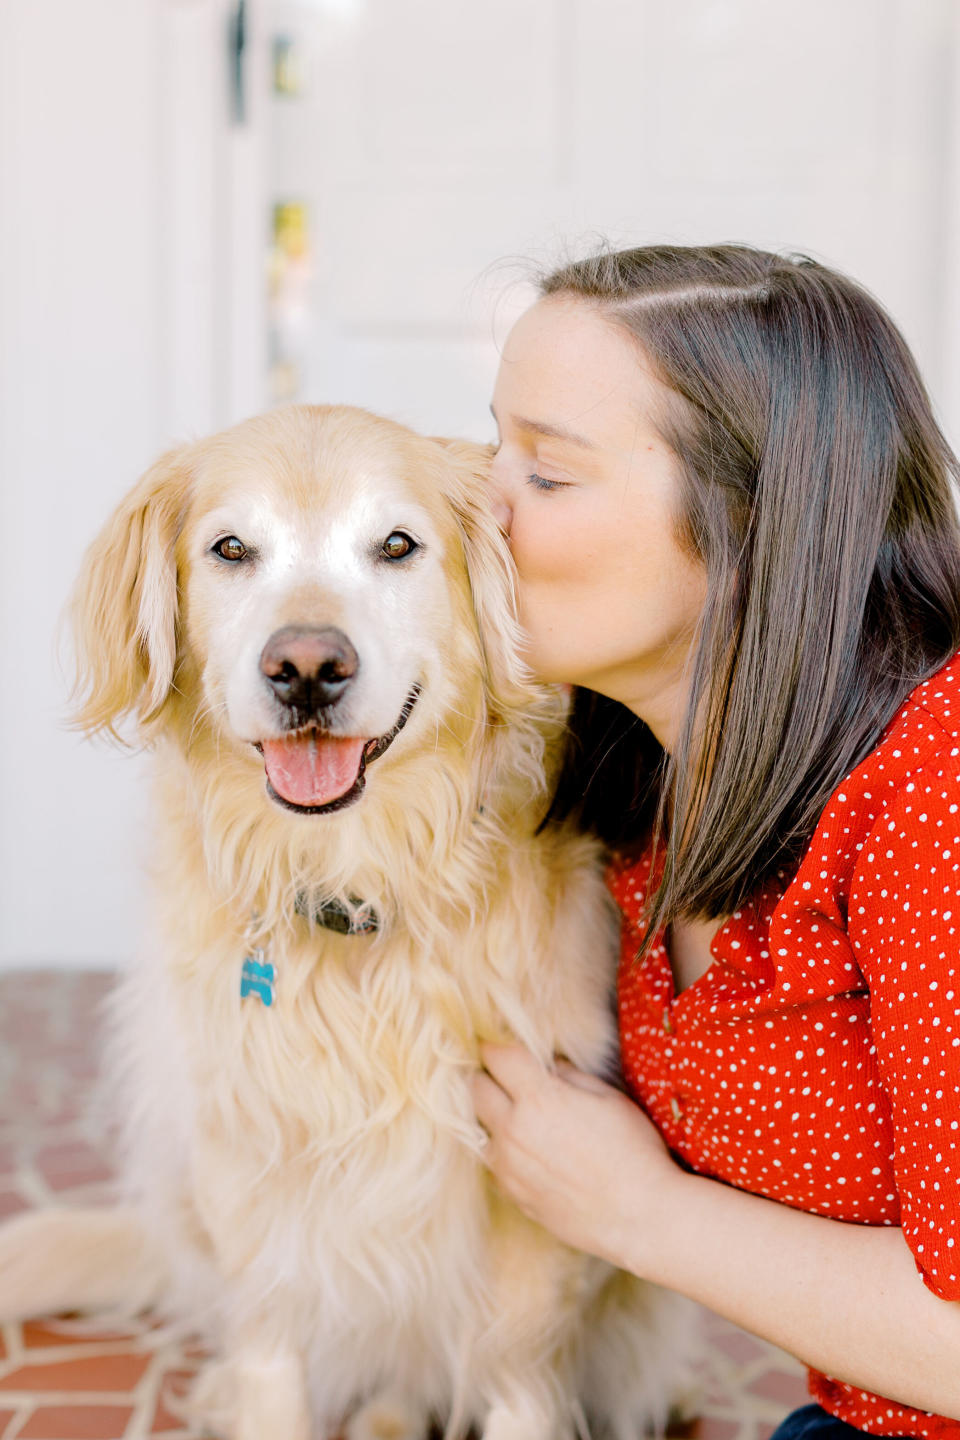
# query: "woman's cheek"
(548, 543)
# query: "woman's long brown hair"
(817, 493)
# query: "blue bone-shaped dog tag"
(257, 978)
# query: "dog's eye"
(230, 548)
(397, 545)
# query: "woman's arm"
(584, 1161)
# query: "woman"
(730, 510)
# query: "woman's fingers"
(582, 1078)
(518, 1075)
(510, 1076)
(512, 1067)
(491, 1103)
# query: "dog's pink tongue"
(312, 769)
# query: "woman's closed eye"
(540, 482)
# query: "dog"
(310, 619)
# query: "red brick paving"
(175, 1384)
(102, 1372)
(712, 1428)
(64, 1167)
(11, 1203)
(737, 1345)
(77, 1422)
(37, 1335)
(785, 1388)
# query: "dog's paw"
(386, 1417)
(523, 1419)
(243, 1399)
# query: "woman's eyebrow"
(553, 432)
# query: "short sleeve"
(904, 922)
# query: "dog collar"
(258, 975)
(334, 915)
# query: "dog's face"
(318, 596)
(308, 584)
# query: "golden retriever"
(310, 618)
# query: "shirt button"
(667, 1022)
(676, 1109)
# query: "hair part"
(816, 490)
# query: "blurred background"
(207, 207)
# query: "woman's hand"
(573, 1153)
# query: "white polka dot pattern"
(817, 1061)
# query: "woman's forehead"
(567, 367)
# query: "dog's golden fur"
(302, 1182)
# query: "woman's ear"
(490, 571)
(123, 611)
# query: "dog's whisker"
(209, 710)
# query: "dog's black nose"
(308, 667)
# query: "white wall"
(80, 238)
(437, 137)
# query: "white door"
(441, 145)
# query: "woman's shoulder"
(897, 817)
(924, 735)
(935, 703)
(912, 771)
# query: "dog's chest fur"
(331, 1141)
(339, 1133)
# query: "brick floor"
(56, 1384)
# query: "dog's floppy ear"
(123, 611)
(490, 570)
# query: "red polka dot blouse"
(817, 1061)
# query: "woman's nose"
(500, 498)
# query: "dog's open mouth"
(314, 772)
